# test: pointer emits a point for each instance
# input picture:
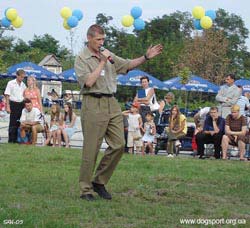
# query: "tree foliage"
(209, 54)
(206, 55)
(236, 32)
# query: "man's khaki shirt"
(86, 62)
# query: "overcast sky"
(43, 16)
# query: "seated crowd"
(32, 121)
(221, 126)
(211, 128)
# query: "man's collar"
(86, 54)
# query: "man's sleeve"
(121, 65)
(82, 71)
(206, 125)
(38, 116)
(244, 121)
(7, 89)
(219, 97)
(23, 116)
(222, 125)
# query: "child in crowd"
(134, 126)
(3, 112)
(69, 128)
(55, 125)
(149, 133)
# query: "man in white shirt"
(31, 121)
(243, 101)
(199, 117)
(14, 103)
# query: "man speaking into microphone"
(101, 117)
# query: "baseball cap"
(136, 105)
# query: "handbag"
(154, 106)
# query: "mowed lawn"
(39, 188)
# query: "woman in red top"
(33, 93)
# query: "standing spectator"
(243, 101)
(14, 103)
(177, 129)
(212, 132)
(97, 71)
(134, 127)
(33, 93)
(146, 97)
(149, 133)
(31, 120)
(235, 132)
(227, 96)
(69, 120)
(67, 97)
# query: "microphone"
(109, 57)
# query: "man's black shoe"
(88, 197)
(101, 191)
(202, 157)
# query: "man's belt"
(100, 95)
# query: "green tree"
(206, 56)
(236, 32)
(48, 45)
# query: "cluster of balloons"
(203, 19)
(11, 18)
(71, 18)
(134, 19)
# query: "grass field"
(39, 188)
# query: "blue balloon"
(197, 24)
(78, 14)
(136, 12)
(5, 22)
(211, 14)
(72, 21)
(139, 24)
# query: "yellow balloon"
(198, 12)
(11, 14)
(127, 20)
(66, 12)
(206, 22)
(65, 25)
(18, 22)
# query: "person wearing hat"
(134, 127)
(235, 132)
(67, 97)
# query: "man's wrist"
(146, 57)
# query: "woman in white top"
(69, 119)
(146, 97)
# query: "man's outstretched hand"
(154, 51)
